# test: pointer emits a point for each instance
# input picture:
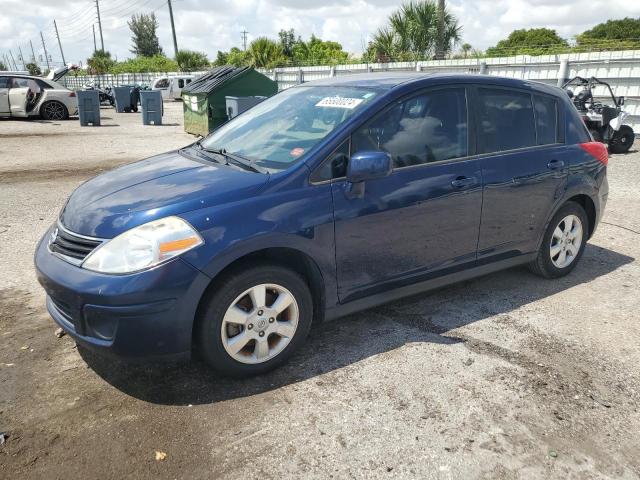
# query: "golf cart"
(603, 121)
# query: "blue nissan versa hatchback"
(327, 198)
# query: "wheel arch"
(288, 257)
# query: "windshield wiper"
(198, 144)
(243, 161)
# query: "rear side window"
(546, 109)
(430, 127)
(4, 82)
(43, 85)
(181, 83)
(506, 120)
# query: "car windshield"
(281, 130)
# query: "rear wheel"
(622, 140)
(54, 110)
(563, 242)
(254, 320)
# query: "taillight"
(597, 150)
(72, 94)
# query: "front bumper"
(142, 315)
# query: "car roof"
(391, 80)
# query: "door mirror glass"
(368, 165)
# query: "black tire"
(208, 331)
(622, 140)
(543, 264)
(597, 136)
(48, 110)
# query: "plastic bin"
(238, 105)
(151, 102)
(123, 98)
(89, 107)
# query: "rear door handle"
(555, 165)
(463, 182)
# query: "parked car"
(23, 95)
(171, 87)
(327, 198)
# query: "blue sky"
(211, 25)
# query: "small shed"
(204, 99)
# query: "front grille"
(72, 246)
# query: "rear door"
(18, 96)
(4, 95)
(524, 167)
(423, 219)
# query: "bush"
(157, 63)
(189, 61)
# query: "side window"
(4, 82)
(546, 119)
(43, 85)
(335, 166)
(19, 82)
(181, 83)
(188, 81)
(430, 127)
(162, 83)
(506, 120)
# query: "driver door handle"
(463, 182)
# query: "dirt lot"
(507, 376)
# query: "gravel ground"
(507, 376)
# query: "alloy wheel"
(566, 241)
(260, 323)
(54, 111)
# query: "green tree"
(412, 33)
(190, 61)
(157, 63)
(3, 66)
(145, 40)
(33, 69)
(238, 58)
(288, 42)
(265, 53)
(222, 58)
(318, 51)
(534, 41)
(101, 62)
(612, 35)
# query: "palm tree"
(412, 33)
(265, 53)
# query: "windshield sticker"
(339, 102)
(296, 152)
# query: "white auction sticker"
(339, 102)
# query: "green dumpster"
(204, 99)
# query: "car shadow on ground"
(332, 345)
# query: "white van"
(171, 87)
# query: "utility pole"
(100, 25)
(244, 40)
(33, 54)
(24, 64)
(15, 66)
(46, 55)
(173, 29)
(59, 43)
(95, 48)
(440, 44)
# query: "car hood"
(167, 184)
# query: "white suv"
(23, 95)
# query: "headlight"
(144, 247)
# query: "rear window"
(546, 109)
(506, 120)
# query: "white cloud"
(211, 25)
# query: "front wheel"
(622, 140)
(254, 320)
(563, 243)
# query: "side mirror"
(620, 101)
(368, 166)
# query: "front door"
(524, 170)
(18, 96)
(423, 219)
